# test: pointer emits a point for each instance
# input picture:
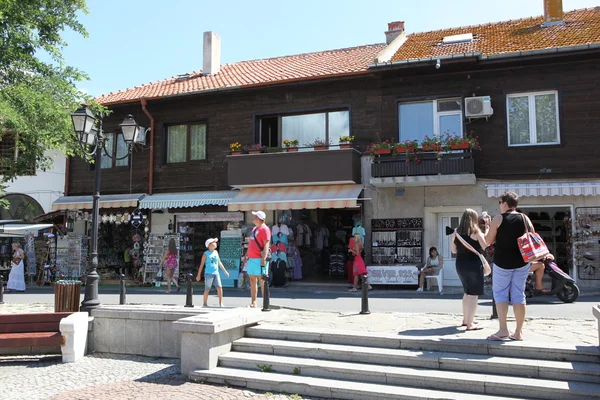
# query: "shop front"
(190, 219)
(311, 227)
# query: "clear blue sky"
(132, 42)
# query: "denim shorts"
(508, 285)
(209, 279)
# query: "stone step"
(432, 379)
(484, 364)
(524, 349)
(327, 388)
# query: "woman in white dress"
(16, 278)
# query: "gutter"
(144, 102)
(480, 56)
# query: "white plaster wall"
(44, 186)
(160, 222)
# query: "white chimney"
(394, 30)
(212, 53)
(553, 13)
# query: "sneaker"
(420, 289)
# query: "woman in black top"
(468, 265)
(509, 270)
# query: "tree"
(36, 96)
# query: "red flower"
(377, 133)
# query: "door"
(445, 248)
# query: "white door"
(445, 248)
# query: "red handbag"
(531, 245)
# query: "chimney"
(553, 13)
(212, 54)
(394, 30)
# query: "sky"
(133, 42)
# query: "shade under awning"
(22, 229)
(106, 201)
(296, 198)
(190, 199)
(545, 189)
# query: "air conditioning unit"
(478, 107)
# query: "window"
(532, 118)
(430, 118)
(115, 153)
(9, 152)
(305, 128)
(186, 143)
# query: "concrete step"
(483, 364)
(474, 383)
(327, 388)
(529, 350)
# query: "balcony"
(447, 170)
(335, 166)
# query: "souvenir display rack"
(397, 241)
(154, 249)
(71, 256)
(587, 243)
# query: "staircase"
(353, 365)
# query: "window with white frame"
(532, 118)
(430, 118)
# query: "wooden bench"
(36, 331)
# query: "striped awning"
(106, 201)
(545, 189)
(190, 199)
(296, 198)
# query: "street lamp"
(92, 142)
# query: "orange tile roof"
(581, 27)
(349, 61)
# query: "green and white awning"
(190, 199)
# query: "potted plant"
(291, 145)
(465, 142)
(255, 148)
(236, 148)
(381, 147)
(432, 143)
(408, 146)
(346, 142)
(319, 144)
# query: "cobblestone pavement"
(110, 377)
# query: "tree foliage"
(37, 96)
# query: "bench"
(44, 333)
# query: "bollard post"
(494, 311)
(364, 286)
(189, 301)
(122, 290)
(1, 289)
(266, 293)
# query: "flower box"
(324, 147)
(254, 151)
(291, 149)
(432, 147)
(236, 152)
(345, 145)
(405, 149)
(460, 146)
(379, 152)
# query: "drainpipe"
(67, 167)
(151, 163)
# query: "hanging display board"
(230, 251)
(71, 256)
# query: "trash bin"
(66, 296)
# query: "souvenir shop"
(312, 245)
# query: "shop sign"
(211, 217)
(393, 275)
(136, 218)
(230, 251)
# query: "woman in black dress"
(468, 264)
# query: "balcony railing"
(334, 166)
(429, 165)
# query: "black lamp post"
(90, 137)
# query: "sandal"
(513, 337)
(168, 291)
(497, 338)
(352, 290)
(475, 328)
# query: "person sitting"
(538, 268)
(434, 263)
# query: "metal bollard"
(266, 294)
(364, 286)
(494, 311)
(1, 289)
(122, 290)
(189, 301)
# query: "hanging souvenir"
(113, 218)
(105, 218)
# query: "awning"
(296, 198)
(190, 199)
(22, 229)
(106, 201)
(545, 189)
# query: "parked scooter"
(564, 286)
